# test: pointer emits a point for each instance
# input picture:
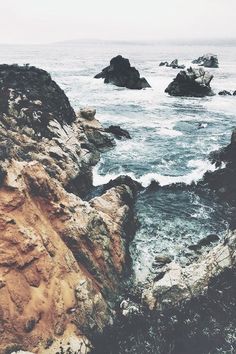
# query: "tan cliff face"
(59, 256)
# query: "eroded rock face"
(61, 258)
(192, 82)
(207, 60)
(37, 122)
(122, 74)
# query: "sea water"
(166, 144)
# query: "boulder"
(87, 113)
(118, 132)
(122, 74)
(225, 93)
(192, 82)
(207, 60)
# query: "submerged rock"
(192, 82)
(207, 60)
(122, 74)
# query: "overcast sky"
(43, 21)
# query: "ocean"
(166, 144)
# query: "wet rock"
(222, 180)
(122, 74)
(118, 132)
(174, 64)
(153, 186)
(162, 259)
(225, 93)
(206, 241)
(124, 180)
(180, 285)
(207, 60)
(192, 82)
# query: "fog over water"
(46, 21)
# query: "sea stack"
(122, 74)
(192, 82)
(207, 60)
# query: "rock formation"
(222, 181)
(192, 82)
(225, 93)
(118, 132)
(207, 60)
(174, 64)
(122, 74)
(61, 258)
(181, 284)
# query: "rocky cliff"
(61, 258)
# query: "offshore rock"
(207, 60)
(192, 82)
(174, 64)
(225, 93)
(122, 74)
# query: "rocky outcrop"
(192, 82)
(118, 132)
(122, 74)
(37, 122)
(207, 60)
(222, 181)
(178, 285)
(62, 259)
(174, 64)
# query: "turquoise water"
(166, 144)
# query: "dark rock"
(126, 180)
(222, 181)
(207, 60)
(234, 93)
(122, 74)
(174, 64)
(118, 132)
(206, 241)
(31, 95)
(163, 63)
(153, 186)
(163, 259)
(192, 82)
(225, 93)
